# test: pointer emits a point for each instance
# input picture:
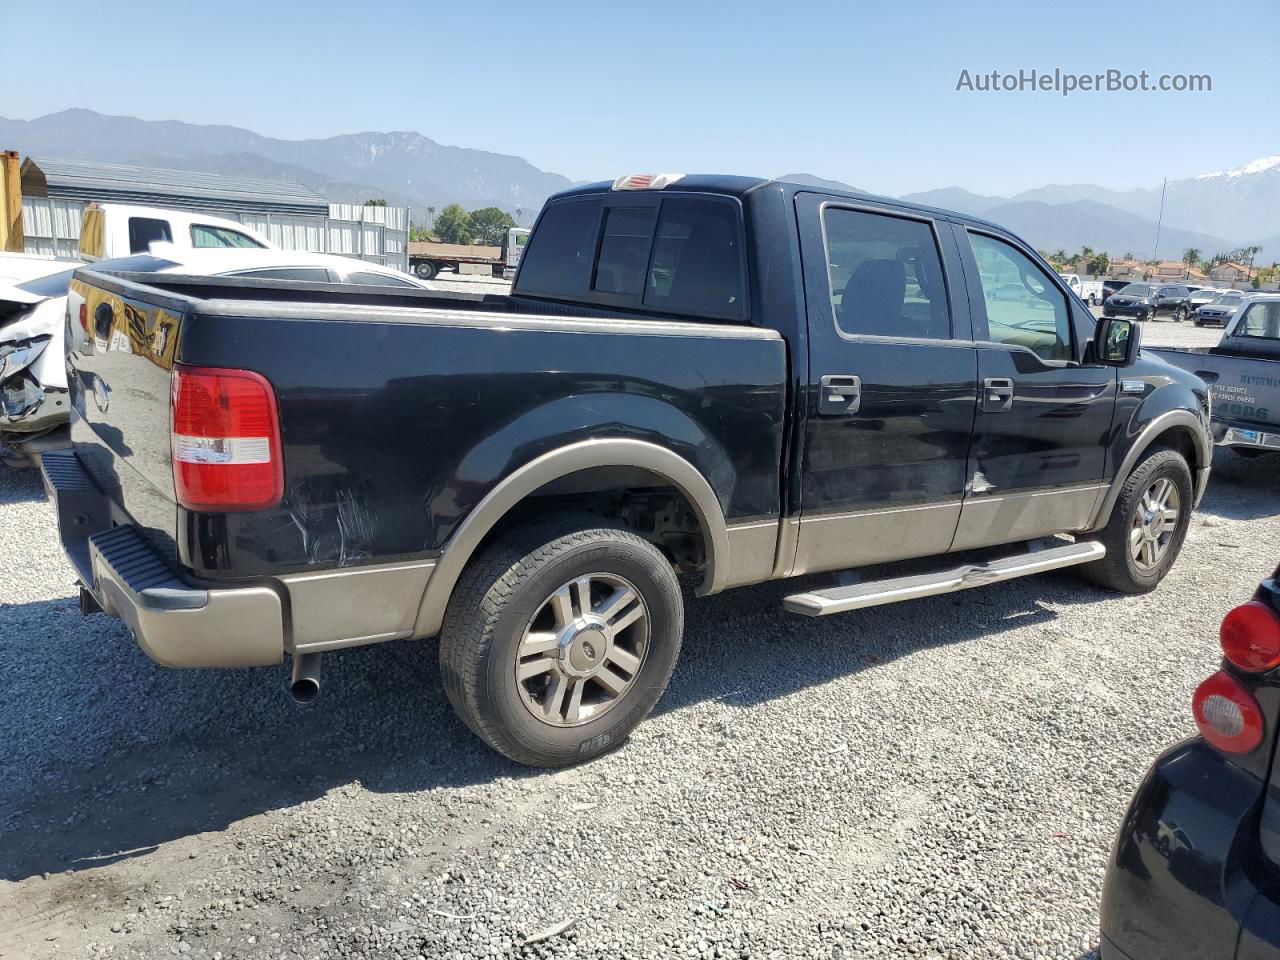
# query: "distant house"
(1229, 272)
(1175, 270)
(1127, 269)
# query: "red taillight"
(1250, 637)
(84, 316)
(226, 440)
(1227, 714)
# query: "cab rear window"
(676, 255)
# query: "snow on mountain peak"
(1257, 166)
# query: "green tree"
(379, 202)
(1190, 256)
(453, 225)
(490, 225)
(418, 234)
(431, 217)
(1098, 264)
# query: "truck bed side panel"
(1245, 389)
(394, 429)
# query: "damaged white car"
(34, 408)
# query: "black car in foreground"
(1195, 870)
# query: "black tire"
(1119, 569)
(498, 598)
(426, 270)
(1181, 314)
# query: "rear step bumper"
(175, 623)
(820, 603)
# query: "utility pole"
(1155, 251)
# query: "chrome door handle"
(997, 394)
(840, 394)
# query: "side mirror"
(1116, 341)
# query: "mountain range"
(1213, 212)
(400, 166)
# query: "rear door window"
(885, 275)
(144, 231)
(314, 274)
(696, 266)
(558, 259)
(378, 279)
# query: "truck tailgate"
(120, 354)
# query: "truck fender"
(1156, 426)
(561, 462)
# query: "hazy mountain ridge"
(406, 168)
(407, 164)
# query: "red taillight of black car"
(1250, 637)
(1226, 711)
(1227, 714)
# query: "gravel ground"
(940, 778)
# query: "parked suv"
(1172, 299)
(1145, 301)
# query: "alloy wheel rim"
(1154, 524)
(583, 650)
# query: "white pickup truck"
(1090, 291)
(110, 230)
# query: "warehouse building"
(294, 217)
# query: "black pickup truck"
(734, 379)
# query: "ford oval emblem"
(101, 393)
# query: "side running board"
(820, 603)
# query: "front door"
(890, 404)
(1044, 418)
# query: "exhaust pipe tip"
(304, 687)
(304, 690)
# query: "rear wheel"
(560, 640)
(426, 270)
(1147, 525)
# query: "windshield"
(1205, 294)
(1229, 299)
(1135, 290)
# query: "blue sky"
(855, 91)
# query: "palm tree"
(519, 215)
(1190, 256)
(1252, 252)
(431, 217)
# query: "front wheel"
(1147, 525)
(1181, 314)
(560, 640)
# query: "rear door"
(1039, 442)
(889, 408)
